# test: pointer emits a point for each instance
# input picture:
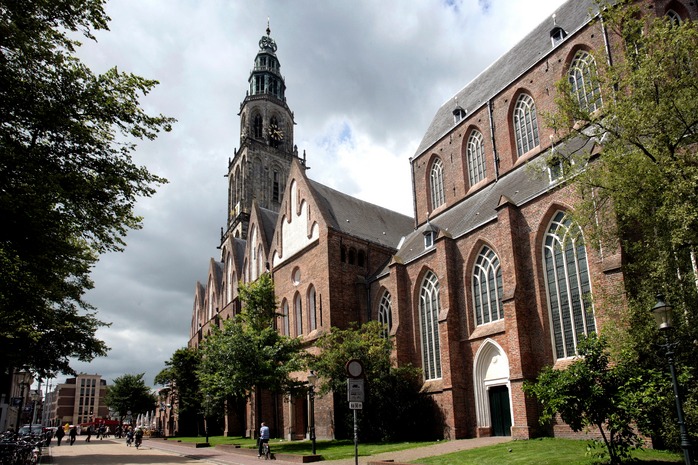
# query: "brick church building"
(485, 285)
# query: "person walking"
(89, 433)
(263, 438)
(73, 434)
(60, 432)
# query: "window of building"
(312, 309)
(352, 255)
(298, 313)
(584, 81)
(674, 17)
(343, 254)
(525, 124)
(286, 328)
(458, 115)
(429, 308)
(476, 158)
(385, 314)
(257, 126)
(567, 282)
(557, 35)
(276, 187)
(361, 258)
(437, 184)
(487, 287)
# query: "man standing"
(73, 434)
(263, 438)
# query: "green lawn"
(544, 451)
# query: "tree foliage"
(611, 399)
(129, 393)
(640, 191)
(68, 184)
(394, 409)
(180, 378)
(248, 354)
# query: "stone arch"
(490, 369)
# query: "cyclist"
(139, 437)
(263, 438)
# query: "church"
(486, 284)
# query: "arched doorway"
(492, 397)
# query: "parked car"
(33, 430)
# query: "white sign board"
(356, 405)
(355, 390)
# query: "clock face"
(354, 368)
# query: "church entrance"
(500, 411)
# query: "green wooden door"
(500, 411)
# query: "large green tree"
(394, 408)
(640, 190)
(68, 184)
(129, 393)
(248, 354)
(180, 378)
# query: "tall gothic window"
(525, 124)
(487, 287)
(567, 281)
(298, 314)
(286, 327)
(385, 316)
(584, 81)
(276, 188)
(312, 308)
(257, 127)
(429, 307)
(476, 158)
(437, 184)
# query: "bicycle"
(266, 451)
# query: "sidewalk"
(159, 452)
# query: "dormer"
(430, 233)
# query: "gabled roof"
(361, 219)
(571, 16)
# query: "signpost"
(355, 396)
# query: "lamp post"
(663, 317)
(312, 379)
(22, 385)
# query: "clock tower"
(260, 167)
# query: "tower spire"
(268, 28)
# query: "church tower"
(259, 169)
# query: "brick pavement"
(159, 452)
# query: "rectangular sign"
(355, 390)
(356, 405)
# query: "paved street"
(159, 452)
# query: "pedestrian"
(263, 437)
(59, 434)
(73, 434)
(89, 433)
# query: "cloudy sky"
(364, 79)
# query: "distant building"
(78, 400)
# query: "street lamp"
(663, 317)
(22, 385)
(312, 379)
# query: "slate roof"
(361, 219)
(570, 16)
(268, 219)
(519, 187)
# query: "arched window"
(312, 309)
(286, 328)
(229, 281)
(487, 287)
(584, 81)
(352, 255)
(361, 259)
(298, 314)
(567, 281)
(385, 314)
(437, 184)
(429, 308)
(525, 124)
(257, 128)
(674, 17)
(477, 170)
(260, 261)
